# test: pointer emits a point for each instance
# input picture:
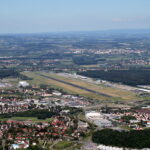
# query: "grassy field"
(103, 89)
(33, 119)
(12, 81)
(116, 93)
(62, 145)
(37, 80)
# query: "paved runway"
(74, 85)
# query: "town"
(50, 118)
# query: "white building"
(98, 119)
(103, 147)
(57, 93)
(23, 84)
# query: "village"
(42, 116)
(32, 114)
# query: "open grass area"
(12, 81)
(33, 119)
(115, 93)
(37, 80)
(90, 66)
(63, 144)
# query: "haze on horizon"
(32, 16)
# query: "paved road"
(74, 85)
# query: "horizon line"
(77, 31)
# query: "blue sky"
(28, 16)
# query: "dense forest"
(129, 139)
(129, 77)
(40, 114)
(84, 60)
(8, 73)
(43, 113)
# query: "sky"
(33, 16)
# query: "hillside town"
(40, 116)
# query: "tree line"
(129, 139)
(129, 77)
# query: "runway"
(74, 85)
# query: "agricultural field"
(77, 86)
